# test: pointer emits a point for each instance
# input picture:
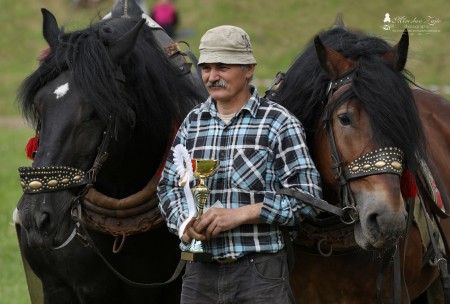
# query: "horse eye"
(344, 119)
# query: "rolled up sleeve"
(295, 170)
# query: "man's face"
(226, 82)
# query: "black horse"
(105, 102)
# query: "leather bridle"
(57, 178)
(382, 160)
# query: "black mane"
(384, 92)
(153, 89)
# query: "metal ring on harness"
(319, 248)
(351, 213)
(122, 242)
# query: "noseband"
(57, 178)
(382, 160)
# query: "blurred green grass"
(279, 31)
(12, 150)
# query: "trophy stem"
(202, 168)
(200, 194)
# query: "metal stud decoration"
(384, 160)
(53, 178)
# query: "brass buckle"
(225, 260)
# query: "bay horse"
(369, 134)
(105, 102)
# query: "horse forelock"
(384, 92)
(387, 97)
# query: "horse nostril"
(42, 220)
(372, 222)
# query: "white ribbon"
(183, 164)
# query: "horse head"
(104, 103)
(70, 127)
(363, 127)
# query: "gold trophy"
(202, 169)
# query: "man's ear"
(250, 70)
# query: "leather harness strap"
(313, 201)
(90, 243)
(441, 261)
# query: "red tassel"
(44, 53)
(408, 185)
(32, 146)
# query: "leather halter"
(383, 160)
(57, 178)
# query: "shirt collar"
(251, 106)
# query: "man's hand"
(189, 233)
(217, 220)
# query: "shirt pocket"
(249, 169)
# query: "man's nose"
(213, 75)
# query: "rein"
(40, 179)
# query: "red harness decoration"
(44, 53)
(33, 143)
(408, 185)
(409, 188)
(32, 146)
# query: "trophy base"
(196, 256)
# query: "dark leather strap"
(289, 248)
(393, 258)
(313, 201)
(410, 205)
(396, 288)
(441, 261)
(86, 237)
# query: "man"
(261, 148)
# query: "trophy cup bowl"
(203, 168)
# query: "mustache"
(217, 83)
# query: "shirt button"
(222, 154)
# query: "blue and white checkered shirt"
(261, 150)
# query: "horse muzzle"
(42, 217)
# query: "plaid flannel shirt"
(261, 150)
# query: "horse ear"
(125, 44)
(333, 63)
(396, 57)
(50, 28)
(339, 22)
(129, 8)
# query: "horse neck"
(132, 164)
(434, 111)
